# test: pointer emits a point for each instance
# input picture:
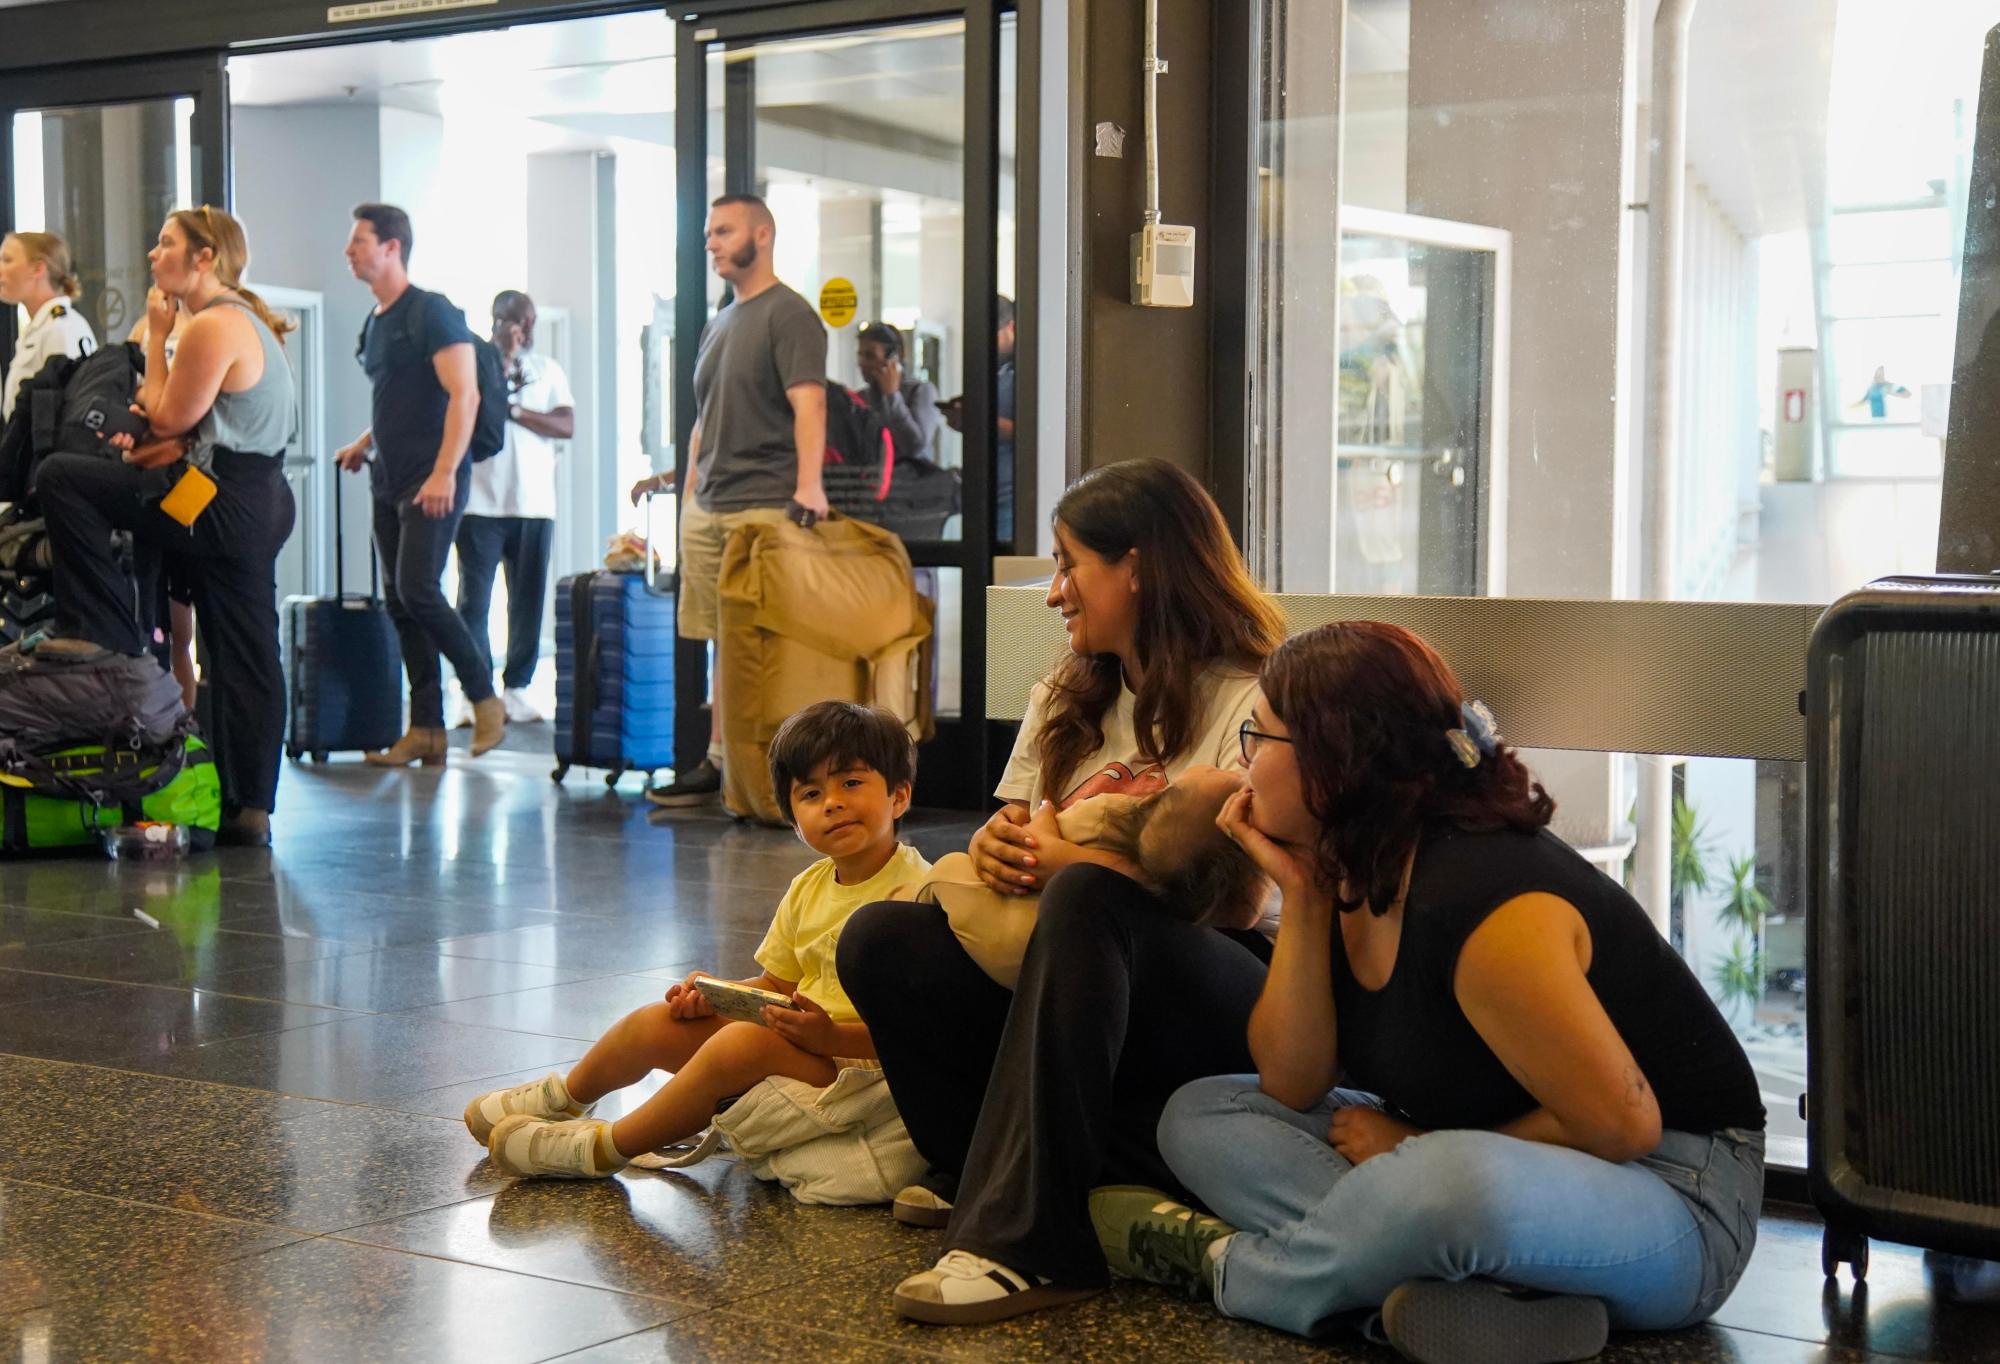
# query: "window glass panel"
(1909, 234)
(1926, 287)
(1822, 228)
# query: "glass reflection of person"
(1880, 389)
(1003, 420)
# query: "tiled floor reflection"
(234, 1086)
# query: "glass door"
(877, 148)
(99, 155)
(1419, 492)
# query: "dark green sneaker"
(1477, 1321)
(1146, 1235)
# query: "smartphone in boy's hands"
(741, 1003)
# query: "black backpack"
(489, 426)
(860, 452)
(104, 381)
(48, 413)
(867, 478)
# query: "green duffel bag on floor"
(67, 797)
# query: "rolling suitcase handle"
(662, 570)
(340, 551)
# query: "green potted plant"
(1739, 978)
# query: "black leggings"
(1034, 1097)
(229, 556)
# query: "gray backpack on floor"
(114, 699)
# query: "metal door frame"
(954, 769)
(201, 77)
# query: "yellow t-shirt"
(806, 929)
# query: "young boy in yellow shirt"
(845, 773)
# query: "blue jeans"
(1661, 1241)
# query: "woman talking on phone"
(202, 481)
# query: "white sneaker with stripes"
(964, 1289)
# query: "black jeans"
(230, 557)
(1034, 1098)
(520, 544)
(413, 547)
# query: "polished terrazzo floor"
(236, 1135)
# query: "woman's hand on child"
(1003, 852)
(1360, 1132)
(1053, 852)
(808, 1027)
(686, 1001)
(1291, 868)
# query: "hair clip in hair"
(1479, 737)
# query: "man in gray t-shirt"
(759, 434)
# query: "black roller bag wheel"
(1903, 945)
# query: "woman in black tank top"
(1544, 1128)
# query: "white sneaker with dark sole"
(917, 1206)
(1477, 1321)
(964, 1289)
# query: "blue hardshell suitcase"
(615, 637)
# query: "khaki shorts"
(703, 534)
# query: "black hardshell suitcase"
(1903, 953)
(343, 664)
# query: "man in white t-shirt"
(510, 518)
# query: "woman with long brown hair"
(1022, 1100)
(205, 485)
(1546, 1127)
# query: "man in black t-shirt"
(419, 356)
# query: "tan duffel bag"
(827, 614)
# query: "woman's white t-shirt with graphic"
(1118, 766)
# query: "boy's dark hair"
(391, 224)
(840, 733)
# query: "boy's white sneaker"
(578, 1149)
(520, 710)
(547, 1097)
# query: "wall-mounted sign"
(837, 302)
(395, 9)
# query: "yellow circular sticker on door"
(837, 302)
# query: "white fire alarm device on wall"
(1163, 266)
(1162, 254)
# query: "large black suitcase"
(343, 665)
(1903, 953)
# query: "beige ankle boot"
(426, 746)
(489, 724)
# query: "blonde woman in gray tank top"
(225, 410)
